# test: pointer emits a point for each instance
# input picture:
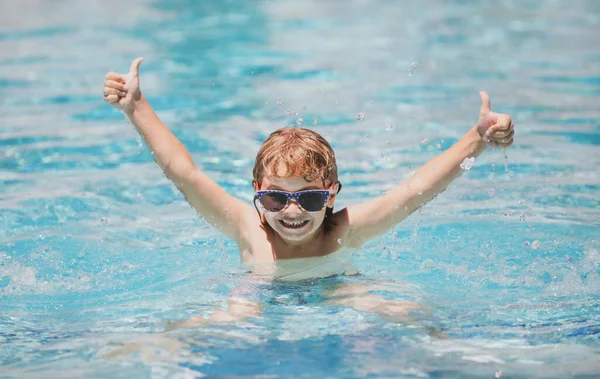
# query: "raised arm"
(376, 216)
(216, 206)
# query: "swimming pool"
(98, 251)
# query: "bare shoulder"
(340, 218)
(252, 238)
(250, 225)
(340, 226)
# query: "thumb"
(135, 66)
(485, 102)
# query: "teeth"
(297, 223)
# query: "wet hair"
(297, 152)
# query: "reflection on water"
(98, 251)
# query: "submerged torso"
(337, 263)
(326, 256)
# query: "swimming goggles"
(276, 201)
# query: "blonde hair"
(291, 152)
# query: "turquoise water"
(98, 251)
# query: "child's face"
(293, 223)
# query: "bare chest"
(262, 245)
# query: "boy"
(296, 184)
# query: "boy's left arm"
(376, 216)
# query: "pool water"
(99, 252)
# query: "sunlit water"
(98, 251)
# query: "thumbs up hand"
(495, 129)
(122, 91)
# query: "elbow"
(179, 170)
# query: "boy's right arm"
(212, 202)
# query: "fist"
(122, 91)
(496, 129)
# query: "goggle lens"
(274, 201)
(310, 201)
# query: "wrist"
(478, 142)
(137, 105)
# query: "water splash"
(506, 162)
(467, 163)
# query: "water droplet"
(299, 121)
(492, 192)
(467, 163)
(127, 265)
(315, 121)
(104, 221)
(415, 65)
(425, 140)
(360, 116)
(389, 126)
(420, 193)
(339, 241)
(139, 196)
(410, 72)
(522, 217)
(498, 374)
(280, 103)
(521, 202)
(439, 146)
(535, 245)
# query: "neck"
(308, 247)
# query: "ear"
(255, 185)
(330, 201)
(335, 189)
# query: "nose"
(293, 207)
